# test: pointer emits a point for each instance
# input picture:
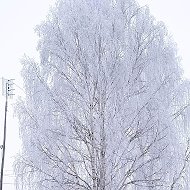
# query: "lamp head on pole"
(7, 87)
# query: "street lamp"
(7, 91)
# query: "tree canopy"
(106, 106)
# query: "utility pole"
(8, 93)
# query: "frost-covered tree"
(105, 108)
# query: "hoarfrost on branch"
(105, 107)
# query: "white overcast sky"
(17, 22)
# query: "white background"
(17, 22)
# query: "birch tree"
(105, 107)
